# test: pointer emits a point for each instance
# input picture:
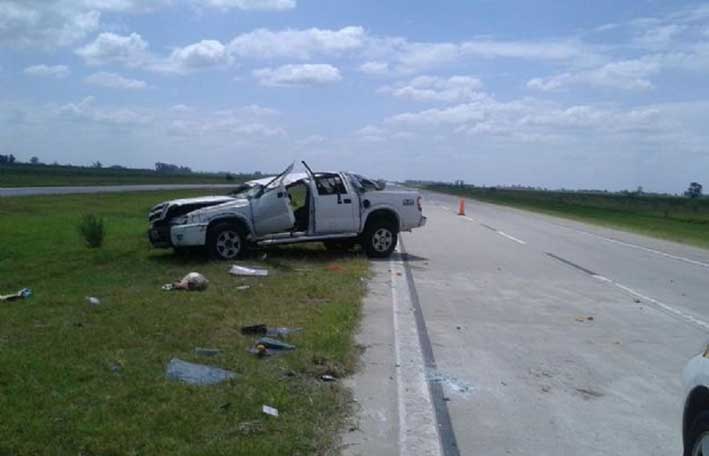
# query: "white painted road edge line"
(676, 312)
(418, 429)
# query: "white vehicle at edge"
(695, 419)
(340, 209)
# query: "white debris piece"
(244, 271)
(269, 410)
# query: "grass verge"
(679, 223)
(77, 379)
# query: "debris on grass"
(250, 427)
(327, 378)
(283, 332)
(269, 410)
(22, 294)
(244, 271)
(194, 281)
(243, 287)
(259, 329)
(263, 330)
(207, 351)
(196, 374)
(267, 346)
(93, 301)
(274, 344)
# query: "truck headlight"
(182, 220)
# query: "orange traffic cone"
(461, 208)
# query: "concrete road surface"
(505, 332)
(31, 191)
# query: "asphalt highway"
(547, 336)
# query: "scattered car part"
(196, 374)
(250, 272)
(22, 294)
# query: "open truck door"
(272, 210)
(335, 204)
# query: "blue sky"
(604, 94)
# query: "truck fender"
(380, 209)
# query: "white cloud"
(627, 75)
(374, 68)
(298, 75)
(410, 57)
(130, 50)
(204, 54)
(86, 109)
(297, 44)
(438, 89)
(114, 81)
(26, 24)
(54, 71)
(257, 5)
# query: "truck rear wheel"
(225, 242)
(380, 238)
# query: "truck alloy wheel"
(225, 242)
(380, 240)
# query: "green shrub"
(91, 230)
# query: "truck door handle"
(347, 201)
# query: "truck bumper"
(188, 235)
(159, 237)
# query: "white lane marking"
(640, 247)
(501, 233)
(667, 308)
(519, 241)
(418, 429)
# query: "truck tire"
(380, 238)
(226, 241)
(697, 438)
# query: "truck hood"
(231, 206)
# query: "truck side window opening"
(329, 184)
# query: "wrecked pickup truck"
(339, 209)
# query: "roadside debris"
(92, 301)
(264, 330)
(274, 344)
(207, 351)
(194, 281)
(196, 374)
(582, 318)
(22, 294)
(243, 287)
(254, 329)
(454, 384)
(244, 271)
(269, 410)
(267, 346)
(327, 378)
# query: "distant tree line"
(168, 168)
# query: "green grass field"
(23, 175)
(672, 218)
(82, 380)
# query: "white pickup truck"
(340, 209)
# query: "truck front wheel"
(380, 239)
(225, 242)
